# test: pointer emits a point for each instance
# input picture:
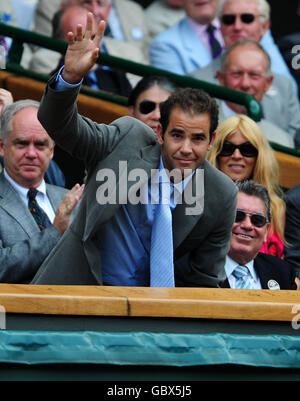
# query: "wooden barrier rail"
(207, 303)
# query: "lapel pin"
(273, 285)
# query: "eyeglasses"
(229, 19)
(258, 220)
(246, 149)
(147, 106)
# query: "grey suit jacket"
(280, 104)
(23, 247)
(76, 258)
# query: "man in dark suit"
(29, 227)
(292, 228)
(245, 267)
(111, 240)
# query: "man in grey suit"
(27, 150)
(245, 67)
(111, 240)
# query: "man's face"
(186, 141)
(100, 8)
(202, 11)
(246, 239)
(74, 16)
(246, 71)
(238, 30)
(28, 149)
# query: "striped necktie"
(37, 212)
(216, 48)
(161, 252)
(242, 277)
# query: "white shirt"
(230, 265)
(41, 197)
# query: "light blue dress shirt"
(230, 265)
(125, 240)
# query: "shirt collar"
(23, 190)
(230, 265)
(201, 29)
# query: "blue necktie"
(242, 276)
(37, 212)
(161, 252)
(216, 48)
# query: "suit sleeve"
(20, 259)
(82, 138)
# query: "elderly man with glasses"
(245, 267)
(245, 67)
(246, 19)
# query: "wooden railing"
(208, 303)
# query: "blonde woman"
(242, 152)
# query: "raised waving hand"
(82, 51)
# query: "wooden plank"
(205, 303)
(289, 169)
(98, 110)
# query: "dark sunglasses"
(246, 149)
(258, 220)
(147, 106)
(229, 19)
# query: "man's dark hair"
(251, 188)
(192, 101)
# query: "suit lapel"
(265, 272)
(198, 54)
(55, 197)
(187, 214)
(11, 202)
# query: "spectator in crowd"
(245, 266)
(292, 228)
(190, 44)
(53, 174)
(246, 19)
(146, 97)
(101, 77)
(162, 14)
(242, 152)
(118, 241)
(33, 215)
(127, 35)
(246, 68)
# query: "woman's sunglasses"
(229, 19)
(258, 220)
(246, 149)
(147, 106)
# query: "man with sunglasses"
(114, 242)
(248, 19)
(245, 267)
